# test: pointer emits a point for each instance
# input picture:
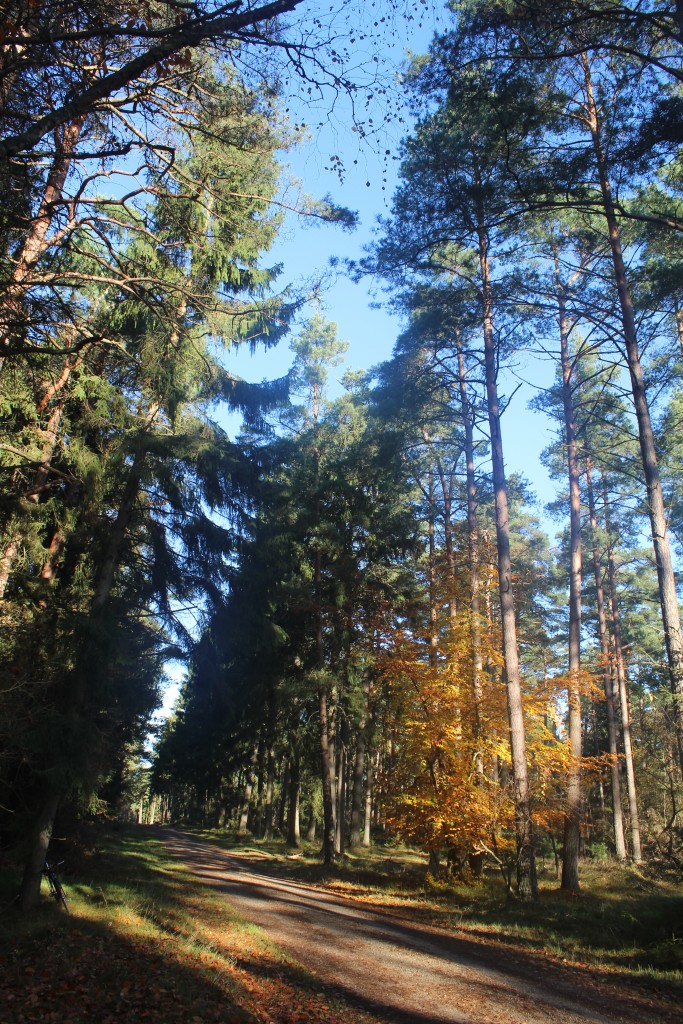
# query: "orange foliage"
(448, 778)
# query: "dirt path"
(400, 972)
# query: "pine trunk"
(572, 821)
(368, 799)
(610, 710)
(665, 574)
(526, 861)
(473, 556)
(623, 692)
(358, 767)
(248, 790)
(293, 826)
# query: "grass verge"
(145, 942)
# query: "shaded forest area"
(380, 638)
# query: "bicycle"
(56, 887)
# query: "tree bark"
(526, 862)
(358, 766)
(326, 775)
(433, 629)
(623, 690)
(612, 739)
(368, 798)
(248, 790)
(293, 826)
(473, 556)
(270, 789)
(33, 870)
(665, 573)
(572, 821)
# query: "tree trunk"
(447, 480)
(572, 821)
(368, 798)
(615, 775)
(9, 554)
(526, 862)
(270, 789)
(33, 870)
(660, 539)
(433, 634)
(248, 790)
(473, 556)
(358, 766)
(293, 828)
(326, 776)
(340, 822)
(12, 314)
(282, 805)
(623, 690)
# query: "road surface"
(396, 970)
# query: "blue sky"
(366, 186)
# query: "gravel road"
(398, 971)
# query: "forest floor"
(170, 927)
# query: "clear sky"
(366, 185)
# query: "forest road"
(397, 971)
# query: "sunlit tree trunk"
(623, 689)
(433, 635)
(35, 240)
(610, 710)
(572, 821)
(372, 760)
(655, 499)
(473, 555)
(293, 825)
(526, 862)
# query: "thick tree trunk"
(665, 574)
(33, 870)
(526, 861)
(623, 691)
(12, 313)
(572, 821)
(610, 710)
